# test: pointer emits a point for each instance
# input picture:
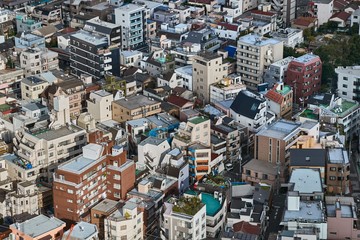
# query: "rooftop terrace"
(189, 206)
(344, 108)
(198, 119)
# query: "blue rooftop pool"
(212, 205)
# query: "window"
(333, 169)
(265, 176)
(345, 86)
(70, 191)
(123, 227)
(332, 178)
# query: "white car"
(229, 166)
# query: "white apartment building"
(179, 223)
(226, 89)
(6, 15)
(131, 19)
(290, 36)
(35, 61)
(323, 10)
(253, 114)
(348, 83)
(254, 56)
(125, 223)
(355, 17)
(184, 74)
(185, 54)
(99, 105)
(150, 152)
(32, 87)
(276, 71)
(131, 58)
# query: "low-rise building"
(227, 88)
(276, 72)
(125, 222)
(37, 228)
(82, 230)
(290, 36)
(36, 60)
(99, 105)
(32, 87)
(183, 218)
(134, 107)
(280, 101)
(338, 171)
(100, 212)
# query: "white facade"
(255, 124)
(355, 17)
(99, 105)
(276, 71)
(150, 151)
(125, 223)
(323, 10)
(131, 19)
(348, 83)
(63, 42)
(221, 93)
(35, 61)
(130, 58)
(290, 36)
(184, 74)
(179, 225)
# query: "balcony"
(356, 90)
(357, 83)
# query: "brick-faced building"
(304, 75)
(85, 180)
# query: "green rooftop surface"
(189, 206)
(198, 120)
(345, 106)
(309, 114)
(285, 90)
(4, 107)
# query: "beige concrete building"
(197, 129)
(99, 105)
(254, 55)
(35, 61)
(207, 69)
(32, 87)
(134, 107)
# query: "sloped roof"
(246, 227)
(177, 100)
(304, 21)
(342, 15)
(246, 105)
(274, 96)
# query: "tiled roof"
(246, 227)
(342, 15)
(274, 96)
(304, 21)
(263, 13)
(177, 101)
(229, 26)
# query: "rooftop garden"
(217, 180)
(189, 206)
(307, 113)
(345, 106)
(198, 120)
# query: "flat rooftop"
(344, 108)
(280, 129)
(353, 70)
(310, 211)
(51, 134)
(78, 164)
(38, 225)
(198, 119)
(90, 38)
(306, 58)
(306, 180)
(338, 156)
(106, 206)
(283, 62)
(135, 102)
(212, 204)
(257, 40)
(261, 166)
(346, 210)
(82, 230)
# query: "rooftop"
(38, 225)
(189, 206)
(353, 70)
(306, 58)
(338, 156)
(198, 119)
(106, 206)
(135, 102)
(261, 166)
(51, 134)
(212, 204)
(306, 180)
(344, 108)
(82, 230)
(280, 129)
(309, 211)
(86, 36)
(346, 210)
(308, 157)
(255, 39)
(308, 113)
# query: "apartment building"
(322, 10)
(279, 100)
(134, 107)
(10, 80)
(276, 72)
(200, 158)
(150, 152)
(99, 105)
(126, 222)
(68, 92)
(85, 180)
(100, 212)
(28, 40)
(254, 115)
(36, 60)
(32, 87)
(40, 151)
(196, 129)
(342, 218)
(227, 88)
(254, 56)
(131, 17)
(183, 219)
(90, 54)
(290, 36)
(25, 23)
(338, 171)
(304, 76)
(207, 69)
(348, 83)
(131, 58)
(37, 228)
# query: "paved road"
(275, 215)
